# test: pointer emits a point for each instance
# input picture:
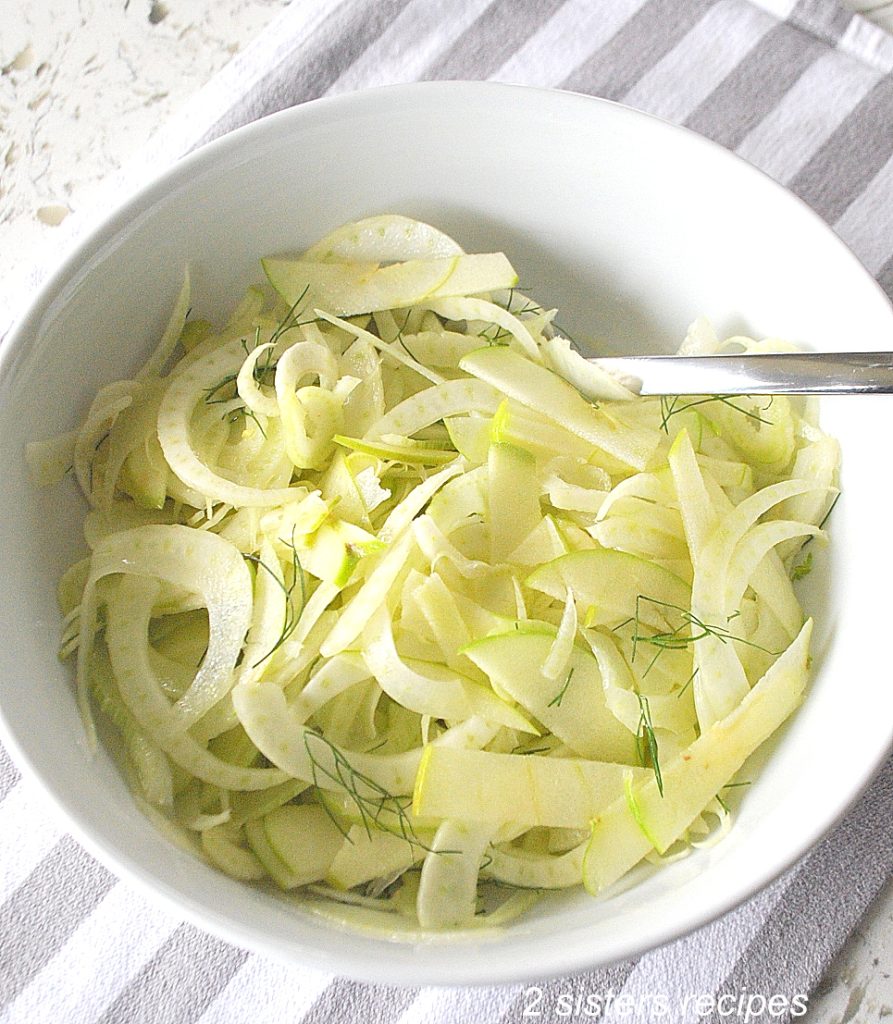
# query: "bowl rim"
(551, 960)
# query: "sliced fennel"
(395, 600)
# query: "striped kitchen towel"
(804, 90)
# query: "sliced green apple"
(649, 815)
(612, 586)
(405, 450)
(247, 806)
(387, 236)
(470, 435)
(347, 289)
(334, 551)
(477, 785)
(305, 839)
(573, 707)
(368, 854)
(551, 396)
(339, 488)
(543, 544)
(144, 475)
(275, 867)
(513, 507)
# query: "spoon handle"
(777, 373)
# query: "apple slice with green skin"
(470, 435)
(144, 475)
(347, 289)
(513, 506)
(463, 497)
(518, 424)
(392, 816)
(553, 792)
(246, 806)
(225, 852)
(551, 396)
(365, 855)
(646, 818)
(482, 621)
(304, 838)
(275, 867)
(573, 707)
(611, 587)
(335, 551)
(300, 517)
(387, 236)
(543, 544)
(409, 451)
(339, 488)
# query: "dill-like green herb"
(827, 515)
(555, 702)
(407, 349)
(675, 639)
(803, 568)
(225, 389)
(242, 411)
(565, 334)
(529, 305)
(646, 743)
(400, 338)
(212, 394)
(265, 366)
(670, 406)
(291, 319)
(736, 785)
(250, 414)
(96, 448)
(691, 679)
(825, 519)
(371, 800)
(498, 334)
(292, 615)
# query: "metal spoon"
(792, 373)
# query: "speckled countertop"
(83, 84)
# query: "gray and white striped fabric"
(802, 89)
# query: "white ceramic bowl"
(632, 227)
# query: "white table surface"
(82, 87)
